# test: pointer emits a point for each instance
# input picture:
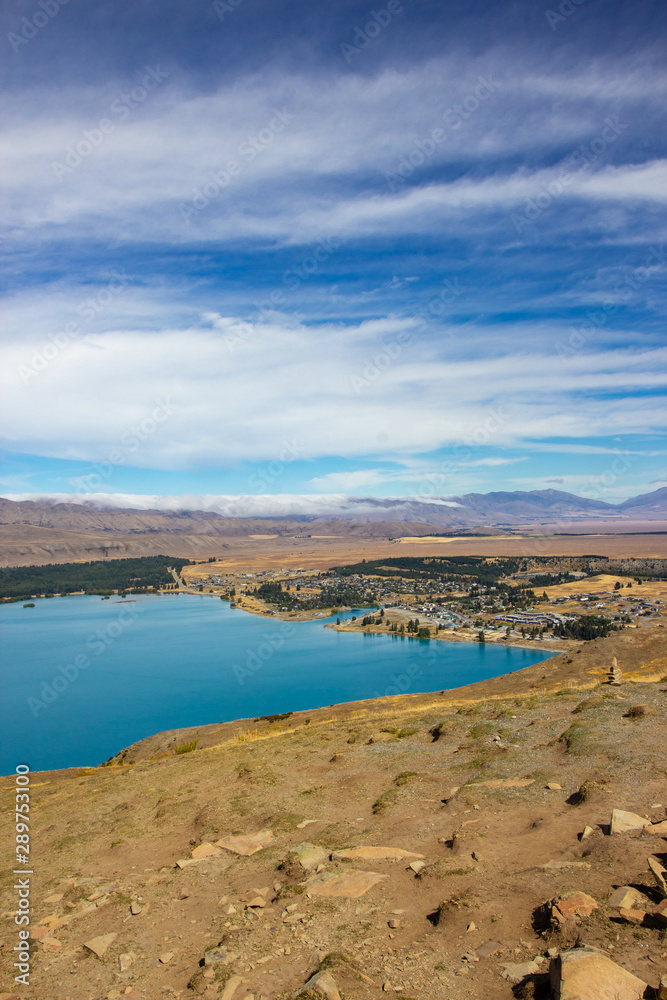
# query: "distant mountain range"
(246, 515)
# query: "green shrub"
(576, 739)
(481, 730)
(404, 777)
(386, 800)
(585, 706)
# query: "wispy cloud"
(247, 190)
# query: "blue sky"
(271, 247)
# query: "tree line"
(103, 576)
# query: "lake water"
(82, 677)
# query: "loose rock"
(206, 851)
(633, 916)
(246, 844)
(658, 828)
(659, 874)
(626, 822)
(230, 987)
(219, 956)
(515, 974)
(125, 960)
(588, 974)
(323, 982)
(375, 854)
(659, 914)
(488, 949)
(348, 886)
(573, 907)
(257, 902)
(627, 897)
(101, 944)
(51, 944)
(310, 856)
(503, 783)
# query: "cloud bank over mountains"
(471, 510)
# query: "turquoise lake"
(82, 677)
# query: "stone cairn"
(614, 675)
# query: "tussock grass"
(577, 739)
(481, 730)
(588, 704)
(384, 802)
(404, 777)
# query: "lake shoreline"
(260, 610)
(448, 636)
(84, 676)
(553, 675)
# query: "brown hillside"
(496, 806)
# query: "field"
(251, 555)
(22, 545)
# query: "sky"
(274, 247)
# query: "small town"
(516, 608)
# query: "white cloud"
(349, 481)
(233, 505)
(219, 393)
(348, 129)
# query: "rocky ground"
(478, 800)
